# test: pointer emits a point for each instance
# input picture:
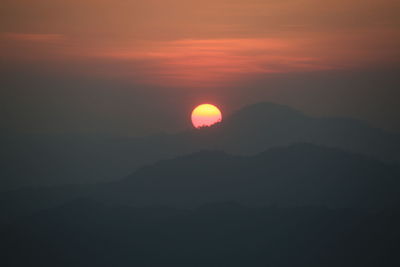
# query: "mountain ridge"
(253, 129)
(295, 175)
(300, 174)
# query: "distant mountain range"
(299, 205)
(73, 159)
(298, 175)
(258, 127)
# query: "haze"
(90, 66)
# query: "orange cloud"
(214, 62)
(33, 37)
(204, 62)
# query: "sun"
(205, 115)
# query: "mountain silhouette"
(72, 159)
(258, 127)
(297, 175)
(296, 205)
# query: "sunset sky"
(139, 66)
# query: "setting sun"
(205, 115)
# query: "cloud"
(32, 37)
(204, 62)
(199, 43)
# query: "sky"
(135, 67)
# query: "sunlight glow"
(206, 115)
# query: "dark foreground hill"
(70, 159)
(86, 233)
(301, 205)
(298, 175)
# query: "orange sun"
(205, 115)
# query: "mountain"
(302, 205)
(297, 175)
(80, 159)
(257, 127)
(87, 233)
